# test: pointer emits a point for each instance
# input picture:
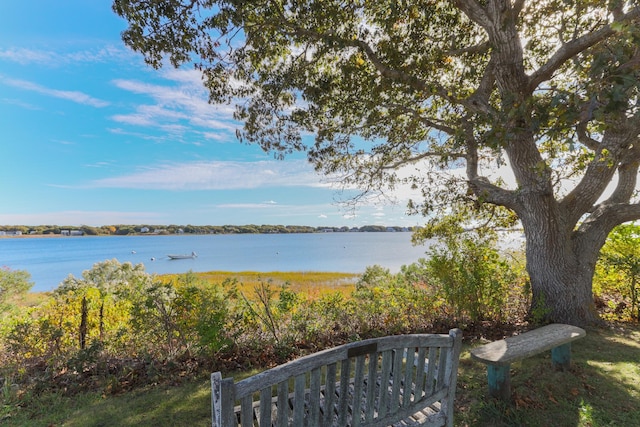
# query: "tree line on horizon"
(141, 229)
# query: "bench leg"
(499, 381)
(561, 356)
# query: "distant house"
(144, 230)
(65, 232)
(77, 233)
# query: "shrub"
(471, 275)
(14, 284)
(618, 272)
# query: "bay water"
(50, 259)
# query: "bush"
(392, 304)
(14, 284)
(618, 273)
(471, 275)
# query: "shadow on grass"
(602, 388)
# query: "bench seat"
(402, 380)
(499, 355)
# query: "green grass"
(601, 389)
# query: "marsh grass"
(312, 283)
(601, 389)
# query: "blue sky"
(91, 135)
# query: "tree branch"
(574, 47)
(627, 181)
(609, 215)
(622, 156)
(475, 12)
(479, 48)
(518, 5)
(431, 123)
(418, 157)
(584, 138)
(491, 193)
(480, 185)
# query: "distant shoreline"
(31, 236)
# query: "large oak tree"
(548, 88)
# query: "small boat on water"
(183, 256)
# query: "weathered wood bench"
(499, 355)
(401, 380)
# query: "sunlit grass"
(312, 283)
(29, 299)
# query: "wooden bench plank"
(508, 350)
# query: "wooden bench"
(499, 355)
(398, 380)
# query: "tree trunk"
(102, 321)
(561, 271)
(83, 323)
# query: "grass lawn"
(601, 389)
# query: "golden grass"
(312, 283)
(30, 299)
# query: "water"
(50, 260)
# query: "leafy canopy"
(551, 86)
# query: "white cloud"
(141, 135)
(21, 104)
(48, 58)
(74, 96)
(216, 175)
(182, 100)
(28, 56)
(249, 206)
